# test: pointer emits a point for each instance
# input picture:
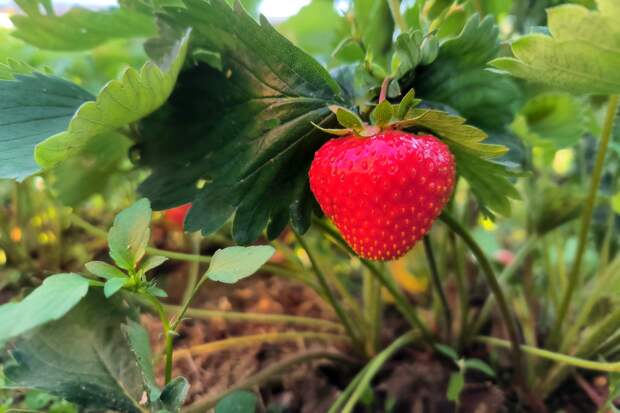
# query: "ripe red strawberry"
(176, 216)
(383, 192)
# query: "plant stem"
(384, 88)
(336, 407)
(505, 276)
(250, 340)
(168, 336)
(256, 317)
(496, 290)
(398, 18)
(586, 218)
(194, 269)
(461, 285)
(328, 292)
(265, 375)
(432, 264)
(400, 300)
(558, 357)
(373, 367)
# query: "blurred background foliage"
(552, 136)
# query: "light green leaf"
(130, 234)
(113, 285)
(448, 352)
(32, 108)
(557, 117)
(156, 292)
(252, 121)
(454, 130)
(174, 394)
(239, 401)
(120, 102)
(100, 165)
(231, 264)
(476, 364)
(83, 357)
(104, 270)
(78, 28)
(347, 118)
(152, 261)
(138, 339)
(53, 299)
(407, 103)
(376, 26)
(382, 114)
(582, 55)
(615, 203)
(316, 28)
(455, 386)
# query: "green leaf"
(100, 165)
(557, 117)
(83, 358)
(406, 104)
(554, 205)
(174, 394)
(582, 55)
(382, 114)
(317, 28)
(157, 292)
(104, 270)
(130, 235)
(615, 203)
(454, 130)
(152, 261)
(138, 339)
(476, 364)
(458, 77)
(251, 127)
(32, 108)
(113, 285)
(455, 386)
(489, 180)
(78, 28)
(448, 352)
(239, 401)
(50, 301)
(376, 26)
(347, 118)
(120, 102)
(231, 264)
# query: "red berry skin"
(176, 216)
(383, 192)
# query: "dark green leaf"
(554, 206)
(33, 108)
(476, 364)
(239, 401)
(112, 286)
(231, 264)
(138, 339)
(246, 129)
(104, 270)
(53, 299)
(82, 357)
(174, 394)
(78, 28)
(460, 79)
(130, 234)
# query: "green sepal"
(347, 118)
(382, 114)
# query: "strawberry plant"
(440, 178)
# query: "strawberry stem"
(384, 88)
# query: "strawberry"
(176, 216)
(383, 192)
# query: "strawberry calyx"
(384, 116)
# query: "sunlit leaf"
(232, 264)
(130, 234)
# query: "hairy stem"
(574, 278)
